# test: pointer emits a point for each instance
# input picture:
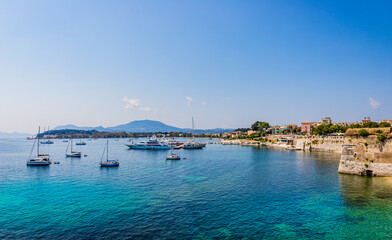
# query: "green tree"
(363, 133)
(371, 125)
(260, 126)
(381, 137)
(385, 125)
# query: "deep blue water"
(221, 192)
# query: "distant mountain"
(73, 127)
(14, 135)
(143, 126)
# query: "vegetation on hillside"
(69, 133)
(324, 129)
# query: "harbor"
(211, 193)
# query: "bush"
(378, 131)
(363, 133)
(381, 137)
(366, 165)
(366, 144)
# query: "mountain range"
(143, 126)
(14, 135)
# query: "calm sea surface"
(221, 192)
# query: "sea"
(220, 192)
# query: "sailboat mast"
(107, 150)
(71, 145)
(39, 128)
(193, 129)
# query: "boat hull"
(193, 147)
(105, 164)
(73, 155)
(38, 163)
(138, 147)
(173, 158)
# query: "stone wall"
(355, 160)
(319, 143)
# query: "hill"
(140, 126)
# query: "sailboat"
(72, 153)
(173, 156)
(192, 144)
(81, 142)
(41, 159)
(108, 163)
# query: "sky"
(227, 63)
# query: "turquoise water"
(221, 192)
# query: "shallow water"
(221, 192)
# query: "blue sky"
(227, 63)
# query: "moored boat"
(173, 156)
(81, 142)
(108, 163)
(72, 153)
(41, 159)
(192, 144)
(47, 142)
(151, 144)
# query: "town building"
(326, 120)
(306, 127)
(366, 120)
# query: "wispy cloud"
(135, 104)
(204, 103)
(188, 100)
(374, 104)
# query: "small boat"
(65, 140)
(41, 159)
(56, 162)
(173, 156)
(178, 147)
(81, 142)
(47, 142)
(72, 153)
(108, 163)
(116, 140)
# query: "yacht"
(47, 142)
(108, 163)
(151, 144)
(72, 153)
(41, 159)
(172, 142)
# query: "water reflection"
(358, 191)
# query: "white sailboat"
(108, 163)
(72, 153)
(81, 142)
(41, 159)
(192, 144)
